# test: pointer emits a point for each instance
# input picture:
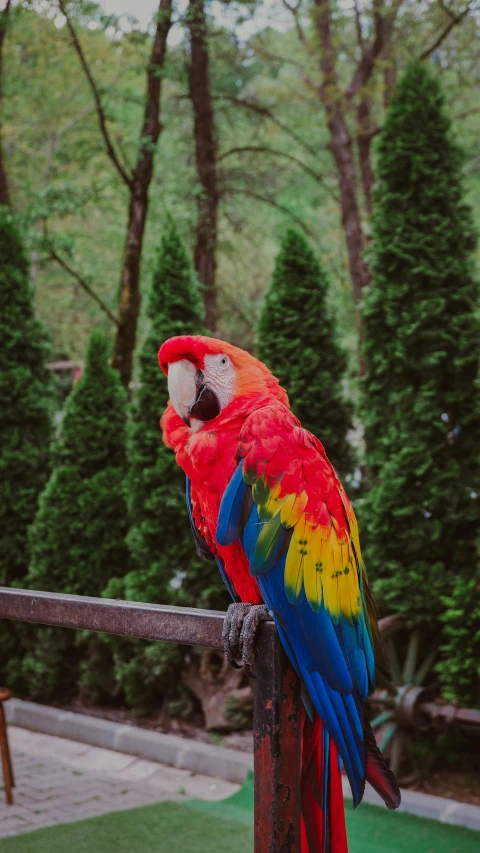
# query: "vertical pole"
(4, 753)
(277, 744)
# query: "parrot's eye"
(224, 360)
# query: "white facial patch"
(182, 387)
(219, 374)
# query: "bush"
(460, 665)
(166, 568)
(421, 345)
(78, 536)
(297, 341)
(25, 426)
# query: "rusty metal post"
(277, 743)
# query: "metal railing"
(276, 689)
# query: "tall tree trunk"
(342, 150)
(389, 75)
(4, 192)
(364, 144)
(206, 158)
(139, 183)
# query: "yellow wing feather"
(325, 566)
(322, 558)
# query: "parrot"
(265, 502)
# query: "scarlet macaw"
(266, 503)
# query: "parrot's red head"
(205, 375)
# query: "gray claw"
(232, 628)
(249, 671)
(238, 635)
(257, 613)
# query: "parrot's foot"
(239, 629)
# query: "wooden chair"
(5, 749)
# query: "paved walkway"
(58, 781)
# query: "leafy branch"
(4, 191)
(384, 21)
(276, 152)
(125, 176)
(53, 254)
(230, 190)
(266, 112)
(453, 22)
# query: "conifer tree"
(459, 666)
(166, 566)
(78, 536)
(421, 345)
(297, 341)
(25, 426)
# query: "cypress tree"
(78, 536)
(297, 341)
(25, 426)
(167, 569)
(421, 345)
(460, 664)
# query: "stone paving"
(58, 781)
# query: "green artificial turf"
(226, 827)
(370, 829)
(167, 827)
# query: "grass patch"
(161, 828)
(226, 827)
(370, 829)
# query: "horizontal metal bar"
(128, 618)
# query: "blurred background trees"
(297, 340)
(421, 411)
(166, 569)
(26, 398)
(272, 142)
(77, 540)
(231, 124)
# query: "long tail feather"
(323, 816)
(336, 809)
(378, 774)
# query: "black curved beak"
(206, 405)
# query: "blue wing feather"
(333, 660)
(319, 663)
(230, 515)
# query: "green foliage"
(296, 339)
(148, 675)
(421, 346)
(459, 668)
(96, 679)
(78, 537)
(167, 569)
(60, 175)
(159, 539)
(25, 427)
(238, 713)
(59, 168)
(50, 665)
